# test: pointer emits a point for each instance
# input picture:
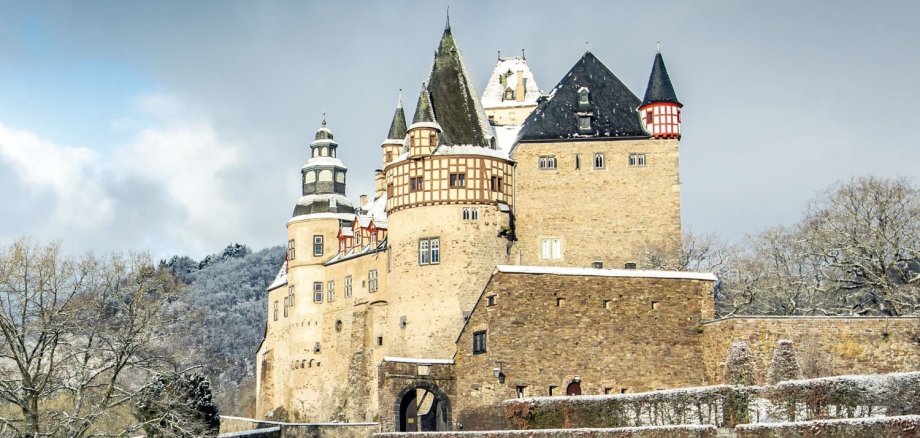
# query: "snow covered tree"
(178, 405)
(784, 365)
(79, 334)
(739, 364)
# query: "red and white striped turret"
(660, 110)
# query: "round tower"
(396, 137)
(660, 110)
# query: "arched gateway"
(422, 407)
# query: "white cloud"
(66, 172)
(176, 167)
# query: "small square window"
(655, 305)
(607, 304)
(608, 390)
(560, 302)
(497, 184)
(379, 341)
(458, 180)
(479, 342)
(551, 390)
(629, 265)
(597, 265)
(521, 391)
(416, 183)
(490, 300)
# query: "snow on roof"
(593, 272)
(432, 125)
(471, 150)
(418, 360)
(324, 161)
(347, 231)
(492, 96)
(341, 216)
(281, 278)
(505, 136)
(358, 251)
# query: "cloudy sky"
(179, 127)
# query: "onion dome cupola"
(396, 137)
(425, 132)
(323, 178)
(660, 109)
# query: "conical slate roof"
(454, 100)
(612, 107)
(398, 125)
(423, 112)
(659, 84)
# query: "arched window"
(584, 96)
(309, 177)
(325, 175)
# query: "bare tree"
(81, 339)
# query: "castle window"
(560, 302)
(509, 94)
(389, 156)
(290, 252)
(372, 280)
(650, 117)
(373, 239)
(318, 292)
(358, 236)
(433, 138)
(608, 390)
(655, 305)
(479, 342)
(276, 310)
(521, 391)
(466, 213)
(497, 184)
(291, 296)
(317, 245)
(470, 214)
(330, 291)
(584, 97)
(390, 191)
(584, 123)
(577, 161)
(474, 214)
(490, 300)
(548, 162)
(551, 248)
(416, 183)
(597, 265)
(286, 305)
(379, 341)
(598, 161)
(637, 160)
(429, 251)
(551, 389)
(458, 180)
(347, 286)
(607, 304)
(630, 265)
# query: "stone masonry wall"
(394, 378)
(603, 215)
(824, 345)
(612, 334)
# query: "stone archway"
(422, 407)
(574, 388)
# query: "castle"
(498, 259)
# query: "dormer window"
(509, 94)
(584, 123)
(584, 97)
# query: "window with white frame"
(347, 286)
(584, 123)
(547, 162)
(291, 296)
(330, 291)
(598, 161)
(317, 245)
(276, 310)
(318, 292)
(637, 160)
(551, 248)
(429, 251)
(372, 280)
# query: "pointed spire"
(398, 125)
(423, 111)
(447, 26)
(324, 119)
(659, 84)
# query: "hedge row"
(726, 406)
(900, 427)
(625, 432)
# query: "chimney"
(362, 200)
(519, 91)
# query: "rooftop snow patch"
(593, 272)
(493, 96)
(324, 161)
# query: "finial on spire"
(447, 27)
(659, 46)
(399, 103)
(499, 55)
(587, 46)
(324, 119)
(522, 55)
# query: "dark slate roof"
(612, 106)
(398, 126)
(313, 204)
(423, 112)
(659, 85)
(454, 99)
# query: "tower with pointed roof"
(660, 109)
(396, 137)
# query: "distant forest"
(224, 313)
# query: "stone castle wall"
(612, 334)
(824, 346)
(603, 215)
(432, 299)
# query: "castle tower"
(447, 205)
(295, 330)
(511, 93)
(396, 136)
(587, 142)
(660, 109)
